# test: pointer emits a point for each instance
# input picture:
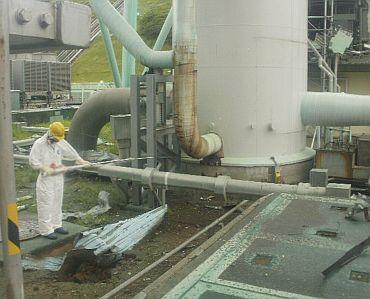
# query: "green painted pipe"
(162, 37)
(134, 44)
(111, 56)
(128, 61)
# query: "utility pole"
(12, 268)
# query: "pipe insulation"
(221, 185)
(335, 109)
(185, 85)
(128, 36)
(94, 113)
(163, 34)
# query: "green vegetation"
(92, 65)
(80, 195)
(19, 134)
(25, 177)
(105, 135)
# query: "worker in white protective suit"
(46, 155)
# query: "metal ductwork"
(185, 85)
(131, 40)
(335, 109)
(93, 114)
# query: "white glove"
(50, 171)
(46, 169)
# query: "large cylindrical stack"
(252, 73)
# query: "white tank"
(252, 71)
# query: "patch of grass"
(19, 134)
(81, 194)
(92, 65)
(105, 135)
(65, 122)
(25, 176)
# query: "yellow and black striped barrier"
(13, 230)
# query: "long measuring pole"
(8, 208)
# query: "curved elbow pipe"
(163, 34)
(335, 109)
(185, 85)
(94, 113)
(131, 40)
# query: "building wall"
(356, 83)
(368, 1)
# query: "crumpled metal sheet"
(121, 236)
(47, 263)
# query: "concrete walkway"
(278, 251)
(40, 244)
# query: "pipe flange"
(221, 184)
(147, 177)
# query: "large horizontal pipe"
(21, 159)
(128, 36)
(335, 109)
(24, 142)
(94, 113)
(220, 185)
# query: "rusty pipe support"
(185, 85)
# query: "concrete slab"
(278, 251)
(40, 244)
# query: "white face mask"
(51, 138)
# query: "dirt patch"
(188, 214)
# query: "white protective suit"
(49, 189)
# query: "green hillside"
(92, 65)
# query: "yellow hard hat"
(57, 130)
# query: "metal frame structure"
(159, 136)
(327, 31)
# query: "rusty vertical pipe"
(185, 84)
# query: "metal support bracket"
(147, 177)
(221, 184)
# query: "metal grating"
(36, 76)
(60, 76)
